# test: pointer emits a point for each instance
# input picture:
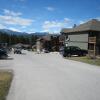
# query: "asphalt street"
(51, 77)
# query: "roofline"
(87, 26)
(79, 32)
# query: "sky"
(46, 15)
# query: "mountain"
(40, 33)
(12, 32)
(22, 33)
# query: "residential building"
(49, 42)
(86, 36)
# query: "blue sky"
(46, 15)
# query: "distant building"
(39, 45)
(49, 42)
(85, 36)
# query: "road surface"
(51, 77)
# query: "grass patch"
(87, 60)
(5, 82)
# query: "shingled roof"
(92, 25)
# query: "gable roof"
(92, 25)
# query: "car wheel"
(64, 55)
(79, 55)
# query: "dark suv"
(73, 50)
(3, 54)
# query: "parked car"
(46, 51)
(73, 50)
(17, 51)
(3, 54)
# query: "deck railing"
(92, 50)
(92, 39)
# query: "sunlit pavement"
(51, 77)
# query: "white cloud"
(14, 29)
(2, 26)
(10, 20)
(11, 13)
(52, 24)
(81, 22)
(86, 20)
(56, 26)
(23, 27)
(21, 30)
(13, 18)
(98, 18)
(50, 8)
(66, 20)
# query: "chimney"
(74, 25)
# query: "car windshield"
(77, 48)
(67, 48)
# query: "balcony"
(92, 40)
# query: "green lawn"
(86, 60)
(5, 82)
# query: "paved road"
(50, 77)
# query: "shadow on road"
(6, 58)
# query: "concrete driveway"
(50, 77)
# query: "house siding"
(80, 40)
